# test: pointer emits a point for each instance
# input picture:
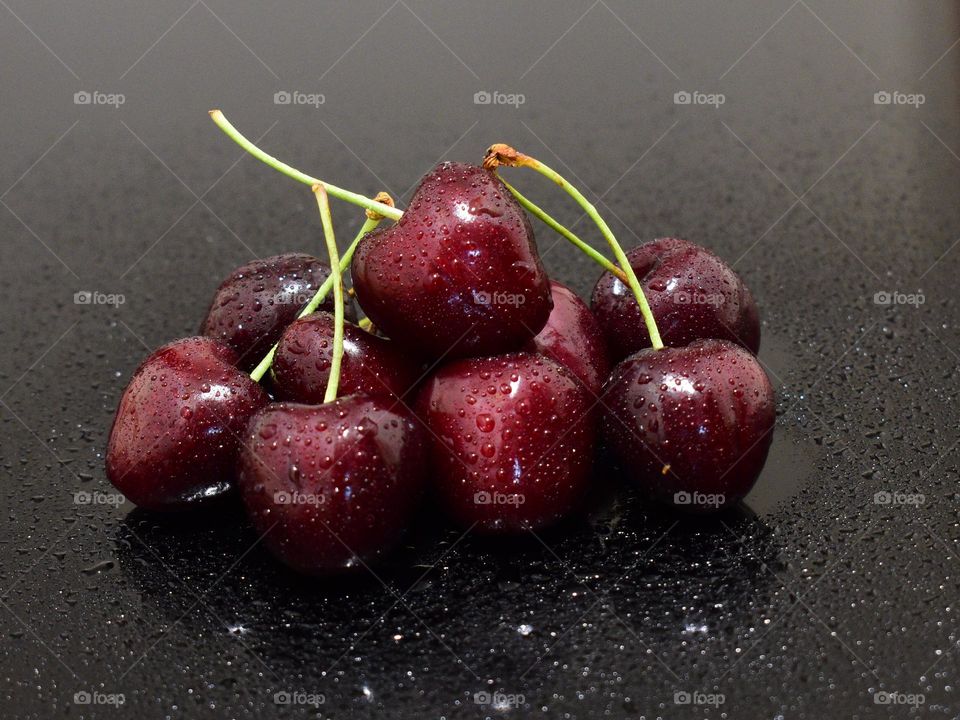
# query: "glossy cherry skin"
(253, 306)
(459, 274)
(573, 338)
(512, 440)
(694, 295)
(371, 365)
(178, 427)
(692, 425)
(333, 486)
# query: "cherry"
(691, 424)
(572, 337)
(459, 274)
(371, 365)
(693, 295)
(258, 300)
(178, 426)
(512, 440)
(331, 487)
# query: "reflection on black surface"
(468, 608)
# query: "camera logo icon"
(282, 97)
(682, 697)
(882, 97)
(682, 498)
(82, 698)
(682, 97)
(482, 97)
(83, 297)
(82, 97)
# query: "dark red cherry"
(512, 440)
(691, 424)
(331, 485)
(459, 274)
(258, 300)
(572, 337)
(179, 425)
(371, 365)
(693, 294)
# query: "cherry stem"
(564, 232)
(391, 212)
(323, 203)
(501, 154)
(365, 324)
(386, 211)
(372, 221)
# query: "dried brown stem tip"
(502, 154)
(384, 198)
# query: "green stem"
(319, 296)
(391, 212)
(314, 303)
(387, 211)
(561, 230)
(505, 155)
(323, 203)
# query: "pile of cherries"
(474, 377)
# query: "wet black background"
(806, 604)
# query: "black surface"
(802, 606)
